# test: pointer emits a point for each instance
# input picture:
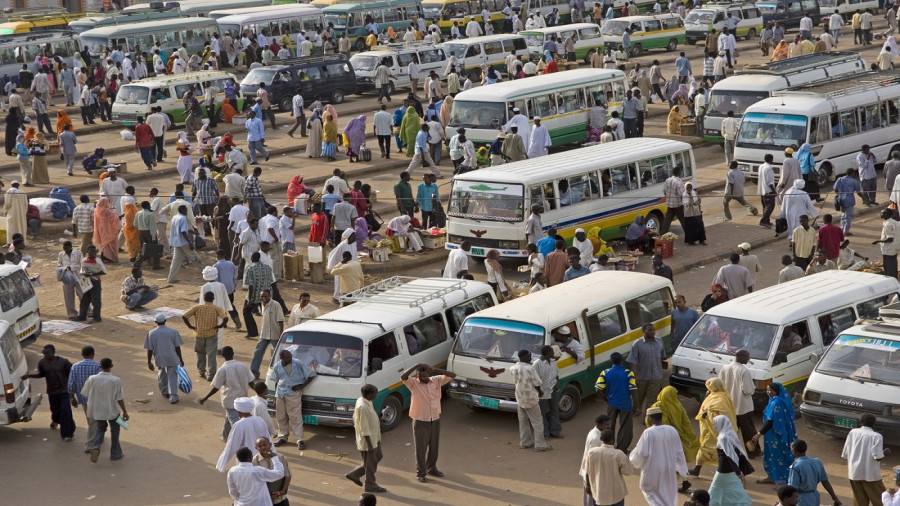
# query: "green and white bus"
(200, 8)
(278, 22)
(136, 99)
(661, 31)
(353, 17)
(562, 100)
(170, 33)
(589, 38)
(604, 312)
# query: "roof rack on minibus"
(409, 295)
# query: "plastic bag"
(184, 381)
(127, 134)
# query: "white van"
(136, 98)
(859, 373)
(391, 326)
(785, 328)
(659, 31)
(588, 39)
(16, 403)
(19, 303)
(713, 16)
(490, 50)
(602, 320)
(398, 56)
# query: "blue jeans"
(231, 418)
(550, 413)
(140, 299)
(115, 450)
(147, 155)
(255, 146)
(261, 346)
(846, 218)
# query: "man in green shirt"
(403, 192)
(145, 222)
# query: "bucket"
(314, 254)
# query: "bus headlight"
(813, 397)
(508, 244)
(894, 411)
(682, 371)
(344, 408)
(744, 167)
(463, 385)
(454, 384)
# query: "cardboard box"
(434, 241)
(380, 254)
(122, 167)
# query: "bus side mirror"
(813, 358)
(376, 364)
(780, 358)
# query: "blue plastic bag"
(184, 381)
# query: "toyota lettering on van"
(848, 402)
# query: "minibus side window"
(384, 347)
(540, 195)
(579, 190)
(849, 123)
(832, 324)
(606, 325)
(869, 308)
(683, 160)
(819, 129)
(456, 314)
(425, 333)
(794, 337)
(649, 308)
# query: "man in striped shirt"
(205, 192)
(79, 374)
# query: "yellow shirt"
(366, 423)
(351, 274)
(371, 40)
(804, 241)
(206, 319)
(855, 21)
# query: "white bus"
(199, 8)
(589, 38)
(604, 312)
(221, 13)
(275, 22)
(835, 117)
(754, 83)
(21, 48)
(136, 37)
(604, 186)
(561, 100)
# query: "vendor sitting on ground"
(135, 293)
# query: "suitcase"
(151, 250)
(365, 154)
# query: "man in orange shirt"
(425, 411)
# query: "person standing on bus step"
(734, 189)
(673, 189)
(866, 160)
(425, 411)
(729, 132)
(539, 139)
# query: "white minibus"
(602, 320)
(756, 82)
(490, 50)
(588, 39)
(281, 23)
(596, 186)
(397, 56)
(835, 117)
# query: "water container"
(314, 254)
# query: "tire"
(391, 88)
(654, 218)
(391, 413)
(569, 402)
(171, 119)
(672, 45)
(751, 34)
(823, 173)
(636, 50)
(220, 116)
(360, 44)
(337, 96)
(286, 104)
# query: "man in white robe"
(659, 474)
(113, 188)
(348, 243)
(539, 139)
(15, 206)
(519, 120)
(585, 246)
(244, 432)
(458, 261)
(211, 274)
(796, 203)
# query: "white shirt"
(863, 449)
(232, 379)
(806, 23)
(301, 314)
(340, 186)
(592, 441)
(103, 391)
(835, 22)
(297, 105)
(237, 214)
(457, 261)
(766, 178)
(247, 484)
(234, 185)
(739, 383)
(383, 122)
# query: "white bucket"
(314, 254)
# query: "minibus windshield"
(723, 335)
(866, 359)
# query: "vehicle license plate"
(486, 402)
(849, 423)
(311, 419)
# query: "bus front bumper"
(838, 422)
(481, 401)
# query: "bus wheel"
(636, 51)
(672, 45)
(654, 220)
(391, 411)
(751, 34)
(823, 173)
(220, 116)
(360, 45)
(569, 402)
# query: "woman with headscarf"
(38, 149)
(638, 237)
(29, 135)
(694, 229)
(717, 295)
(727, 487)
(225, 140)
(778, 432)
(891, 45)
(409, 128)
(675, 416)
(361, 227)
(336, 256)
(492, 76)
(717, 402)
(95, 161)
(355, 136)
(62, 119)
(796, 203)
(329, 109)
(185, 160)
(132, 236)
(400, 227)
(673, 122)
(681, 96)
(329, 138)
(106, 231)
(296, 188)
(203, 136)
(446, 108)
(600, 247)
(228, 110)
(12, 130)
(99, 74)
(807, 163)
(781, 51)
(495, 275)
(314, 129)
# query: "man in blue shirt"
(290, 376)
(422, 155)
(256, 135)
(683, 318)
(576, 270)
(683, 67)
(228, 277)
(178, 241)
(845, 187)
(426, 194)
(619, 389)
(806, 473)
(547, 245)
